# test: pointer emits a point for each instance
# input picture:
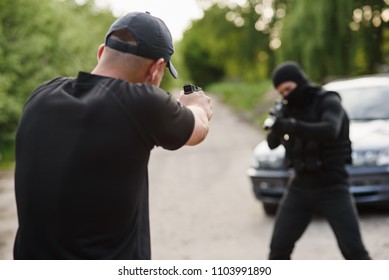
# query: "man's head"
(152, 38)
(137, 48)
(288, 76)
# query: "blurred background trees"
(39, 40)
(329, 38)
(42, 39)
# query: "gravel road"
(202, 205)
(8, 220)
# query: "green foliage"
(169, 83)
(328, 50)
(200, 53)
(226, 44)
(40, 40)
(328, 38)
(244, 96)
(7, 146)
(253, 58)
(251, 100)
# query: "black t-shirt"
(81, 178)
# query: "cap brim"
(172, 70)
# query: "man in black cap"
(83, 146)
(315, 133)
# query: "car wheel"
(270, 209)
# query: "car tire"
(270, 209)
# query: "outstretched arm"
(327, 128)
(200, 106)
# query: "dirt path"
(8, 221)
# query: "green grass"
(251, 100)
(7, 154)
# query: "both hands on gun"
(195, 100)
(277, 119)
(277, 112)
(189, 88)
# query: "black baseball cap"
(153, 38)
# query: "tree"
(328, 37)
(370, 23)
(334, 38)
(42, 39)
(228, 43)
(201, 48)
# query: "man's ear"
(155, 69)
(100, 51)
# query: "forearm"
(201, 125)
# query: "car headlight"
(371, 158)
(266, 158)
(268, 161)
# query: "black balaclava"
(291, 71)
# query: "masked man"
(315, 133)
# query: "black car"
(366, 100)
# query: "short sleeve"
(161, 119)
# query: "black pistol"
(189, 88)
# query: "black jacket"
(315, 134)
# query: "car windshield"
(366, 103)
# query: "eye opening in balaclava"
(291, 71)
